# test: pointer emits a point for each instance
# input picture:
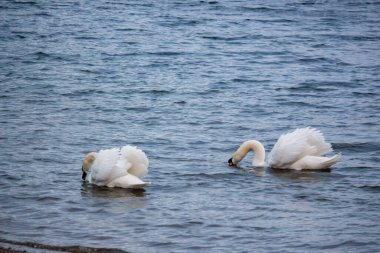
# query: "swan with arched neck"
(302, 149)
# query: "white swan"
(301, 149)
(116, 167)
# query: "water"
(188, 81)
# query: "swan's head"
(231, 163)
(87, 162)
(234, 160)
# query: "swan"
(116, 167)
(301, 149)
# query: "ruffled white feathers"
(292, 147)
(137, 158)
(117, 167)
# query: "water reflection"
(89, 190)
(288, 174)
(295, 175)
(257, 171)
(135, 198)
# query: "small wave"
(166, 53)
(182, 225)
(80, 93)
(209, 1)
(357, 146)
(156, 91)
(371, 188)
(365, 94)
(275, 20)
(319, 45)
(258, 8)
(182, 102)
(27, 2)
(297, 103)
(86, 38)
(320, 86)
(307, 87)
(138, 109)
(47, 199)
(40, 55)
(179, 22)
(346, 243)
(262, 53)
(357, 38)
(224, 38)
(43, 14)
(11, 177)
(241, 80)
(315, 59)
(126, 29)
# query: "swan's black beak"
(230, 162)
(84, 175)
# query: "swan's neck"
(88, 161)
(256, 147)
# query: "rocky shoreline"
(8, 246)
(6, 250)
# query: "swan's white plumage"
(118, 167)
(300, 149)
(292, 147)
(314, 162)
(138, 158)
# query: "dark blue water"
(188, 81)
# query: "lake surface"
(188, 82)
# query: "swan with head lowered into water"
(116, 167)
(301, 149)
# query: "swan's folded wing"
(315, 138)
(120, 169)
(293, 146)
(315, 162)
(288, 149)
(104, 165)
(137, 158)
(128, 181)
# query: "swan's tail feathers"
(128, 181)
(315, 162)
(334, 159)
(137, 158)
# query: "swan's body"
(116, 167)
(301, 149)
